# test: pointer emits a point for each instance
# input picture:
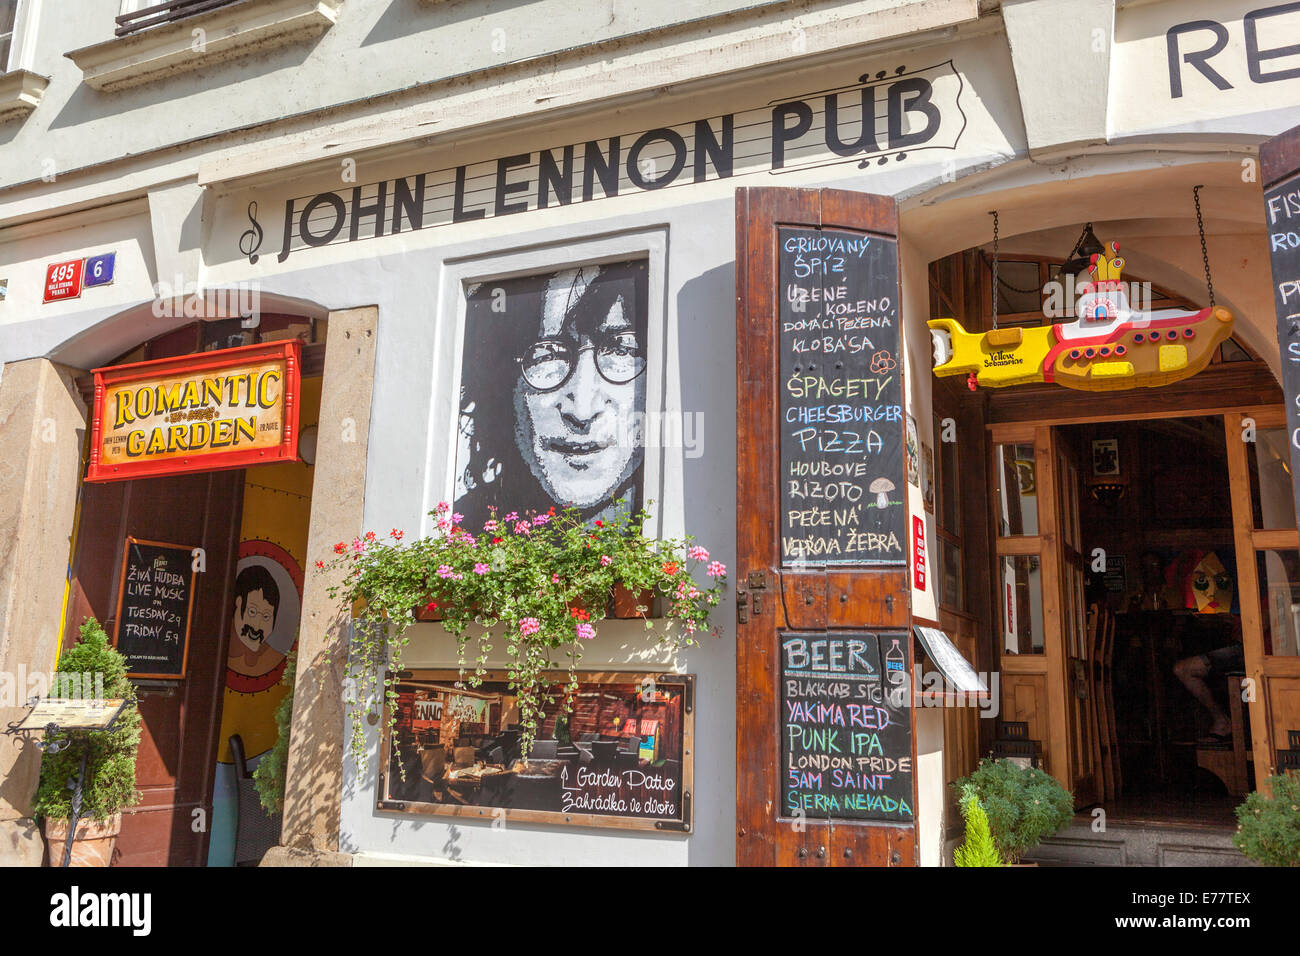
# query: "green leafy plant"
(978, 849)
(269, 774)
(109, 785)
(537, 583)
(1268, 827)
(1023, 805)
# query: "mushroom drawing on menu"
(881, 488)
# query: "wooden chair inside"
(1228, 763)
(1114, 774)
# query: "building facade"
(363, 177)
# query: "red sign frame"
(289, 351)
(79, 273)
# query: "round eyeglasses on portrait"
(548, 364)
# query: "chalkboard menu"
(619, 756)
(1282, 208)
(842, 485)
(154, 602)
(846, 730)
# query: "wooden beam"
(1218, 389)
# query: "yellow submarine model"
(1108, 346)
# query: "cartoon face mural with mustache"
(257, 600)
(554, 392)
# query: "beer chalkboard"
(155, 599)
(841, 410)
(846, 730)
(1282, 207)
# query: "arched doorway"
(1052, 521)
(239, 535)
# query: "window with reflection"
(1017, 489)
(1270, 479)
(1021, 597)
(1279, 600)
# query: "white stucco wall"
(154, 210)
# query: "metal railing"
(159, 13)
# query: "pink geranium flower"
(586, 631)
(606, 560)
(717, 570)
(698, 554)
(481, 568)
(529, 625)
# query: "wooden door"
(1077, 648)
(178, 745)
(775, 597)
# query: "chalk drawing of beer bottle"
(895, 664)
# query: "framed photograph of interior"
(620, 755)
(558, 354)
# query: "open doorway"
(1163, 653)
(236, 539)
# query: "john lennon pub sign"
(906, 109)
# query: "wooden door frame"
(1246, 540)
(877, 599)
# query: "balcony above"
(20, 93)
(229, 31)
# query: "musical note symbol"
(254, 235)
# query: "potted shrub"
(537, 583)
(109, 785)
(1023, 805)
(270, 773)
(978, 848)
(1268, 827)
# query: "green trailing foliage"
(1268, 828)
(269, 774)
(1023, 805)
(110, 767)
(978, 850)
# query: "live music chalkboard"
(846, 730)
(841, 410)
(1282, 210)
(155, 600)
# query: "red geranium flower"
(496, 540)
(340, 548)
(431, 606)
(578, 614)
(670, 568)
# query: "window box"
(228, 32)
(20, 93)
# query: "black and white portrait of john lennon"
(553, 392)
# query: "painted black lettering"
(551, 181)
(920, 89)
(1255, 56)
(866, 141)
(409, 204)
(335, 202)
(1196, 58)
(504, 189)
(653, 177)
(602, 166)
(375, 208)
(708, 151)
(458, 213)
(782, 133)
